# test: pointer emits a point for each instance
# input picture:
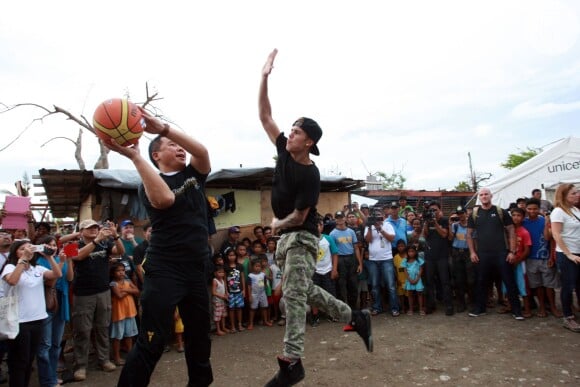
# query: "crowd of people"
(393, 258)
(117, 293)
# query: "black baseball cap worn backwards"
(312, 129)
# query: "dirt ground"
(415, 350)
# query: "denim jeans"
(383, 272)
(49, 349)
(570, 277)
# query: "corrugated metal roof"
(67, 189)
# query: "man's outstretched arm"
(264, 108)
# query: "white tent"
(558, 164)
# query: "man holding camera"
(462, 268)
(379, 235)
(92, 295)
(436, 231)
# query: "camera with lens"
(43, 249)
(429, 214)
(371, 220)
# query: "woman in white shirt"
(565, 221)
(22, 272)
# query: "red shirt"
(523, 239)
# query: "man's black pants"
(167, 285)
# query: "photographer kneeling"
(436, 231)
(379, 235)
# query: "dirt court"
(414, 350)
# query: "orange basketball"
(118, 120)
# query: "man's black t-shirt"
(437, 247)
(490, 229)
(295, 186)
(180, 232)
(92, 273)
(139, 252)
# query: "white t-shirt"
(380, 249)
(324, 257)
(570, 228)
(30, 289)
(276, 275)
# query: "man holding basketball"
(295, 191)
(178, 252)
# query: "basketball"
(118, 120)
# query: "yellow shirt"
(401, 275)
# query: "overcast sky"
(396, 86)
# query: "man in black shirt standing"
(295, 190)
(177, 255)
(436, 229)
(492, 250)
(92, 294)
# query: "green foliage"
(515, 159)
(394, 181)
(463, 186)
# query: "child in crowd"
(247, 242)
(123, 311)
(178, 330)
(326, 269)
(271, 250)
(236, 284)
(243, 259)
(523, 245)
(219, 297)
(276, 293)
(268, 273)
(413, 266)
(400, 273)
(257, 293)
(257, 248)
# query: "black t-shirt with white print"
(92, 273)
(180, 232)
(294, 186)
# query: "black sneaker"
(361, 322)
(476, 313)
(314, 321)
(518, 316)
(449, 311)
(289, 374)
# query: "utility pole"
(471, 173)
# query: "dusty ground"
(409, 350)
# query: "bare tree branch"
(84, 123)
(59, 138)
(72, 117)
(78, 149)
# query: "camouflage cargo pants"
(296, 256)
